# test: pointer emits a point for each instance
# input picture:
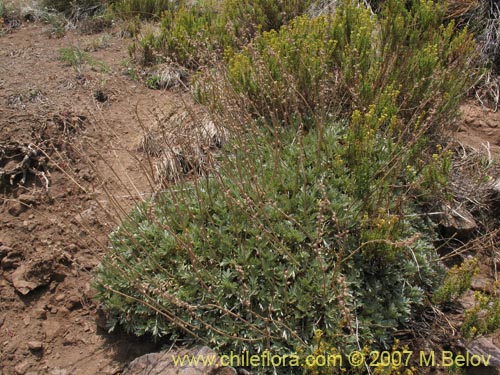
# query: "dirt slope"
(50, 241)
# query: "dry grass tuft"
(180, 143)
(462, 8)
(472, 180)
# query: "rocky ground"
(69, 138)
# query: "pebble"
(35, 345)
(21, 368)
(40, 314)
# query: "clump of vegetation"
(75, 57)
(484, 317)
(315, 225)
(482, 18)
(339, 62)
(69, 8)
(198, 33)
(458, 280)
(144, 9)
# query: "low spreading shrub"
(274, 245)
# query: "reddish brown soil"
(57, 242)
(480, 128)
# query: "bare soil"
(88, 123)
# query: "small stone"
(51, 328)
(73, 302)
(469, 120)
(35, 345)
(482, 284)
(11, 261)
(492, 124)
(480, 124)
(27, 199)
(63, 311)
(16, 208)
(40, 314)
(22, 285)
(4, 250)
(161, 363)
(457, 222)
(21, 368)
(484, 346)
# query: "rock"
(27, 199)
(40, 314)
(19, 281)
(483, 346)
(4, 250)
(468, 301)
(21, 368)
(457, 222)
(492, 124)
(73, 302)
(101, 320)
(59, 371)
(161, 363)
(16, 208)
(111, 370)
(35, 345)
(12, 260)
(87, 216)
(51, 329)
(482, 284)
(30, 276)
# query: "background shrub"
(144, 9)
(344, 61)
(71, 7)
(200, 32)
